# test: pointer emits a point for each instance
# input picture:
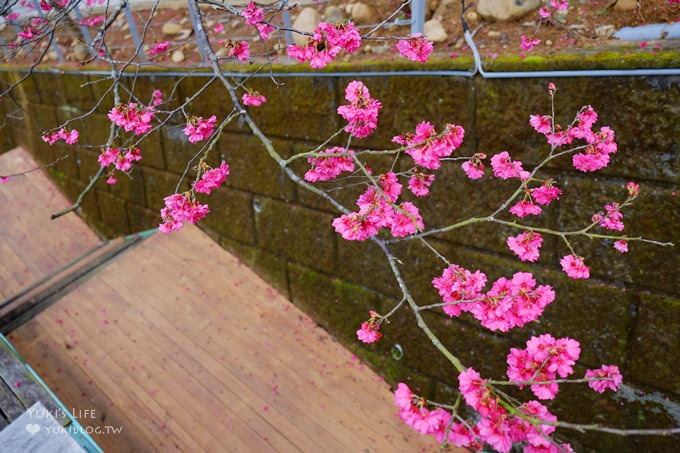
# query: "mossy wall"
(628, 313)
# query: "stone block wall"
(628, 313)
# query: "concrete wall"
(628, 313)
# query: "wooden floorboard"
(191, 351)
(182, 345)
(31, 245)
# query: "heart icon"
(32, 428)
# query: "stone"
(80, 51)
(177, 56)
(605, 31)
(548, 42)
(434, 31)
(626, 5)
(306, 21)
(472, 17)
(493, 34)
(334, 15)
(171, 29)
(502, 10)
(222, 53)
(184, 33)
(364, 14)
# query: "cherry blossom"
(69, 136)
(419, 184)
(362, 111)
(541, 362)
(199, 129)
(427, 148)
(574, 267)
(474, 168)
(621, 246)
(212, 179)
(526, 245)
(330, 165)
(505, 168)
(132, 117)
(159, 48)
(326, 43)
(369, 332)
(458, 286)
(525, 208)
(529, 43)
(609, 378)
(415, 48)
(239, 50)
(180, 208)
(253, 98)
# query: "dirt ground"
(581, 28)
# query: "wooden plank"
(21, 382)
(10, 406)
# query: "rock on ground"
(501, 10)
(306, 21)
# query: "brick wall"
(628, 313)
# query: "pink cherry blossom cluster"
(254, 16)
(326, 43)
(508, 304)
(159, 48)
(607, 377)
(212, 179)
(253, 98)
(526, 245)
(416, 48)
(474, 167)
(199, 129)
(544, 359)
(378, 208)
(552, 6)
(575, 267)
(68, 136)
(600, 145)
(329, 166)
(239, 50)
(419, 184)
(505, 168)
(427, 148)
(529, 43)
(500, 429)
(120, 158)
(369, 332)
(611, 219)
(180, 208)
(132, 117)
(413, 412)
(362, 111)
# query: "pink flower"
(474, 169)
(476, 393)
(406, 220)
(427, 148)
(212, 179)
(326, 43)
(458, 287)
(612, 219)
(254, 99)
(355, 226)
(5, 179)
(124, 160)
(632, 189)
(597, 154)
(159, 48)
(108, 156)
(546, 193)
(252, 14)
(218, 28)
(608, 377)
(179, 208)
(370, 330)
(330, 165)
(621, 246)
(415, 48)
(68, 136)
(239, 50)
(574, 267)
(526, 245)
(504, 167)
(157, 98)
(389, 184)
(529, 43)
(525, 208)
(111, 180)
(199, 129)
(362, 112)
(512, 303)
(544, 359)
(132, 118)
(419, 184)
(541, 123)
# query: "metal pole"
(289, 25)
(83, 29)
(133, 31)
(417, 16)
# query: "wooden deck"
(32, 246)
(187, 349)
